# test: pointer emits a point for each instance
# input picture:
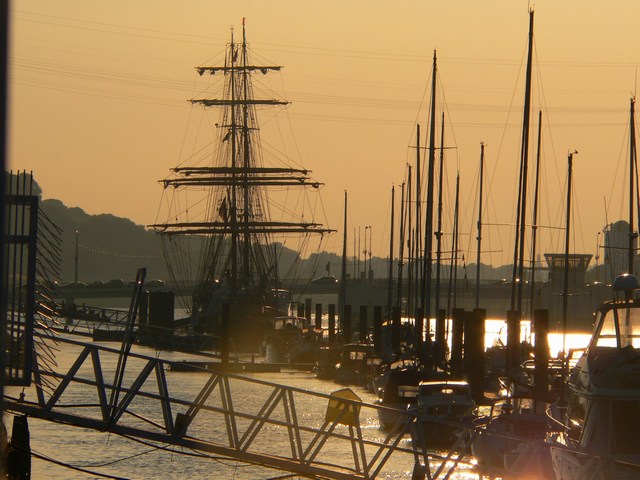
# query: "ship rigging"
(228, 239)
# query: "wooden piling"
(457, 332)
(307, 310)
(363, 328)
(541, 352)
(332, 323)
(474, 333)
(513, 340)
(318, 324)
(395, 331)
(377, 330)
(18, 458)
(441, 326)
(419, 336)
(346, 324)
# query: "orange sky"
(98, 101)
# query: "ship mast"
(236, 223)
(428, 230)
(479, 239)
(534, 223)
(246, 271)
(632, 169)
(518, 251)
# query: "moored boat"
(600, 438)
(446, 409)
(291, 341)
(358, 364)
(510, 441)
(400, 393)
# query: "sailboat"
(224, 241)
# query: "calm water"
(119, 457)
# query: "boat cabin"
(604, 389)
(436, 396)
(290, 323)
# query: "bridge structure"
(372, 292)
(72, 292)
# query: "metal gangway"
(328, 435)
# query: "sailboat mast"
(390, 282)
(565, 293)
(456, 237)
(410, 266)
(401, 252)
(418, 207)
(453, 273)
(632, 148)
(518, 253)
(438, 232)
(534, 221)
(428, 229)
(343, 280)
(479, 239)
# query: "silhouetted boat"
(291, 341)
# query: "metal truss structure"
(323, 443)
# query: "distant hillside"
(111, 247)
(108, 246)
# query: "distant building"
(616, 249)
(578, 263)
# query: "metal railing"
(323, 442)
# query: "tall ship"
(231, 226)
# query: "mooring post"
(513, 340)
(419, 340)
(307, 310)
(395, 331)
(318, 317)
(475, 350)
(143, 309)
(457, 332)
(19, 452)
(541, 352)
(346, 324)
(363, 324)
(332, 323)
(441, 326)
(440, 343)
(377, 330)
